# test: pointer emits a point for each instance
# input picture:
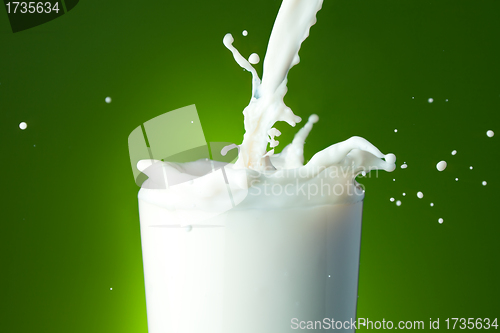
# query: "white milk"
(247, 247)
(250, 270)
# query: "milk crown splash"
(257, 170)
(266, 107)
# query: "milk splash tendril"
(329, 176)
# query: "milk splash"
(266, 107)
(329, 176)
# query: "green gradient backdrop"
(70, 224)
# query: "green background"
(70, 224)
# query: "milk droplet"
(404, 166)
(446, 100)
(191, 122)
(110, 288)
(313, 118)
(485, 183)
(440, 220)
(413, 97)
(404, 194)
(244, 33)
(23, 125)
(188, 228)
(490, 133)
(441, 165)
(420, 195)
(454, 152)
(254, 58)
(108, 100)
(392, 199)
(430, 100)
(432, 204)
(456, 179)
(396, 130)
(394, 180)
(398, 203)
(363, 173)
(471, 167)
